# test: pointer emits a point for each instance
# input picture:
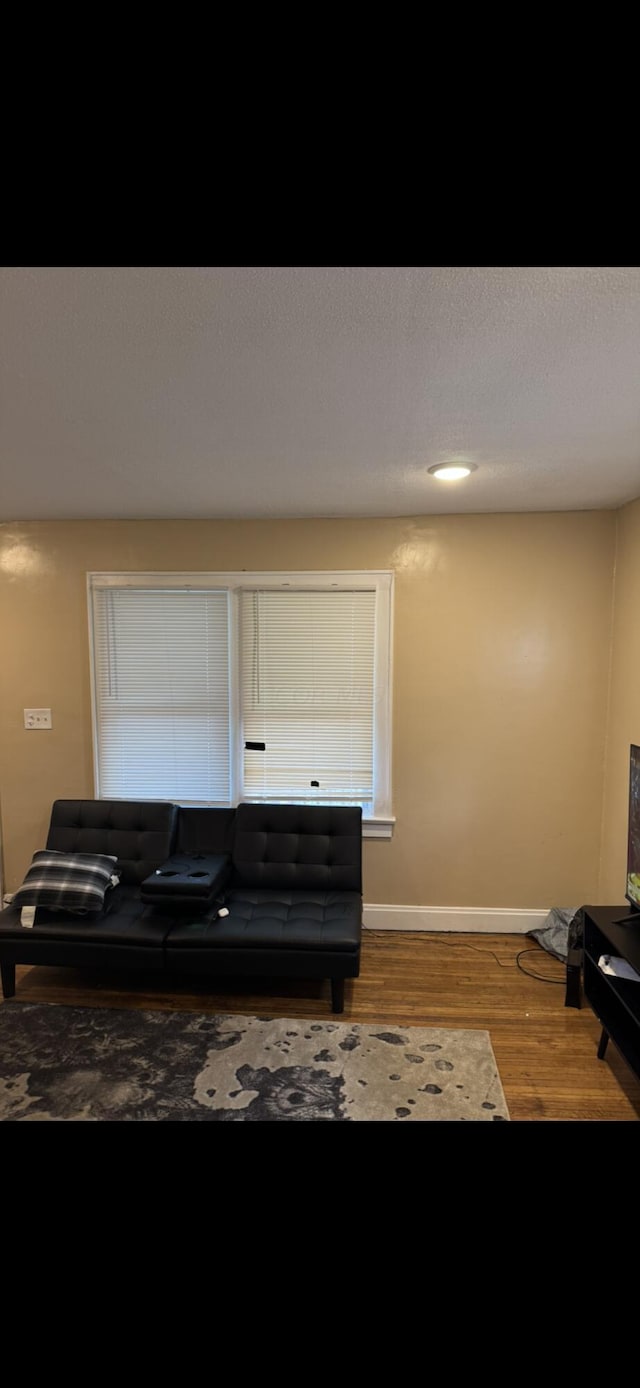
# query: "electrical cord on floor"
(540, 977)
(464, 944)
(450, 944)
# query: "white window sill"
(379, 828)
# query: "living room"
(514, 672)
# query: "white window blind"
(307, 668)
(161, 691)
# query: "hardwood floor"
(546, 1052)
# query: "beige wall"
(502, 630)
(623, 723)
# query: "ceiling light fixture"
(452, 472)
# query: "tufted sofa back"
(141, 833)
(205, 830)
(306, 847)
(311, 847)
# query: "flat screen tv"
(633, 844)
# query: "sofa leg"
(8, 972)
(337, 995)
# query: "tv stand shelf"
(615, 1001)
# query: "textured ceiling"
(153, 392)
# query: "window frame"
(380, 821)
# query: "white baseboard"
(463, 919)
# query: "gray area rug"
(80, 1064)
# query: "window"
(161, 678)
(214, 688)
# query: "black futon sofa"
(273, 890)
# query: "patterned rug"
(80, 1064)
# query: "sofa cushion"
(74, 882)
(141, 833)
(203, 829)
(276, 920)
(299, 847)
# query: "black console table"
(615, 1001)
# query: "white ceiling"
(268, 391)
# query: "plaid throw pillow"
(74, 882)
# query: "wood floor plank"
(546, 1052)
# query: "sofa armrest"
(192, 880)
